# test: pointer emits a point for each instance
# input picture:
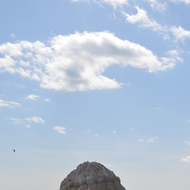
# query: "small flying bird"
(13, 150)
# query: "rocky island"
(91, 176)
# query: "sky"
(95, 80)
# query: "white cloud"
(23, 121)
(116, 3)
(77, 62)
(143, 20)
(47, 99)
(175, 55)
(179, 1)
(155, 4)
(60, 130)
(141, 140)
(32, 97)
(35, 119)
(187, 159)
(8, 104)
(114, 132)
(180, 33)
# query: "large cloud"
(77, 62)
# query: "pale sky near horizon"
(96, 80)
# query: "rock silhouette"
(91, 176)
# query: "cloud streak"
(9, 104)
(35, 119)
(143, 21)
(78, 61)
(32, 97)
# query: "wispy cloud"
(157, 108)
(23, 122)
(35, 119)
(114, 132)
(150, 140)
(98, 3)
(9, 104)
(116, 3)
(143, 20)
(188, 143)
(175, 54)
(155, 4)
(113, 3)
(15, 120)
(153, 139)
(32, 97)
(77, 62)
(141, 140)
(61, 130)
(187, 159)
(12, 35)
(181, 1)
(47, 99)
(180, 33)
(132, 129)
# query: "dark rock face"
(91, 176)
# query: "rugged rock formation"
(91, 176)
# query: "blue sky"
(96, 80)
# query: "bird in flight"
(13, 150)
